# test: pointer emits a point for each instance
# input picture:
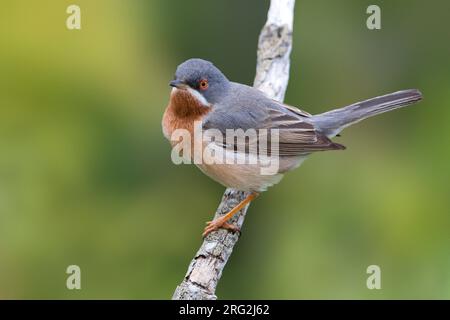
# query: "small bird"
(202, 93)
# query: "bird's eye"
(203, 84)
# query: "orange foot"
(219, 223)
(222, 221)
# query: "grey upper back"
(244, 107)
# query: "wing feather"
(296, 135)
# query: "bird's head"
(202, 80)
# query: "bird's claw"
(219, 223)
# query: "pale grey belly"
(249, 177)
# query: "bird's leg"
(221, 222)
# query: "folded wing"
(296, 135)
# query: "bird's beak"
(178, 84)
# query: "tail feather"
(334, 121)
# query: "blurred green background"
(86, 176)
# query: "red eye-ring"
(203, 84)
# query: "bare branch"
(274, 48)
(272, 75)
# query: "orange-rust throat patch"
(182, 111)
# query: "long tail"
(334, 121)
